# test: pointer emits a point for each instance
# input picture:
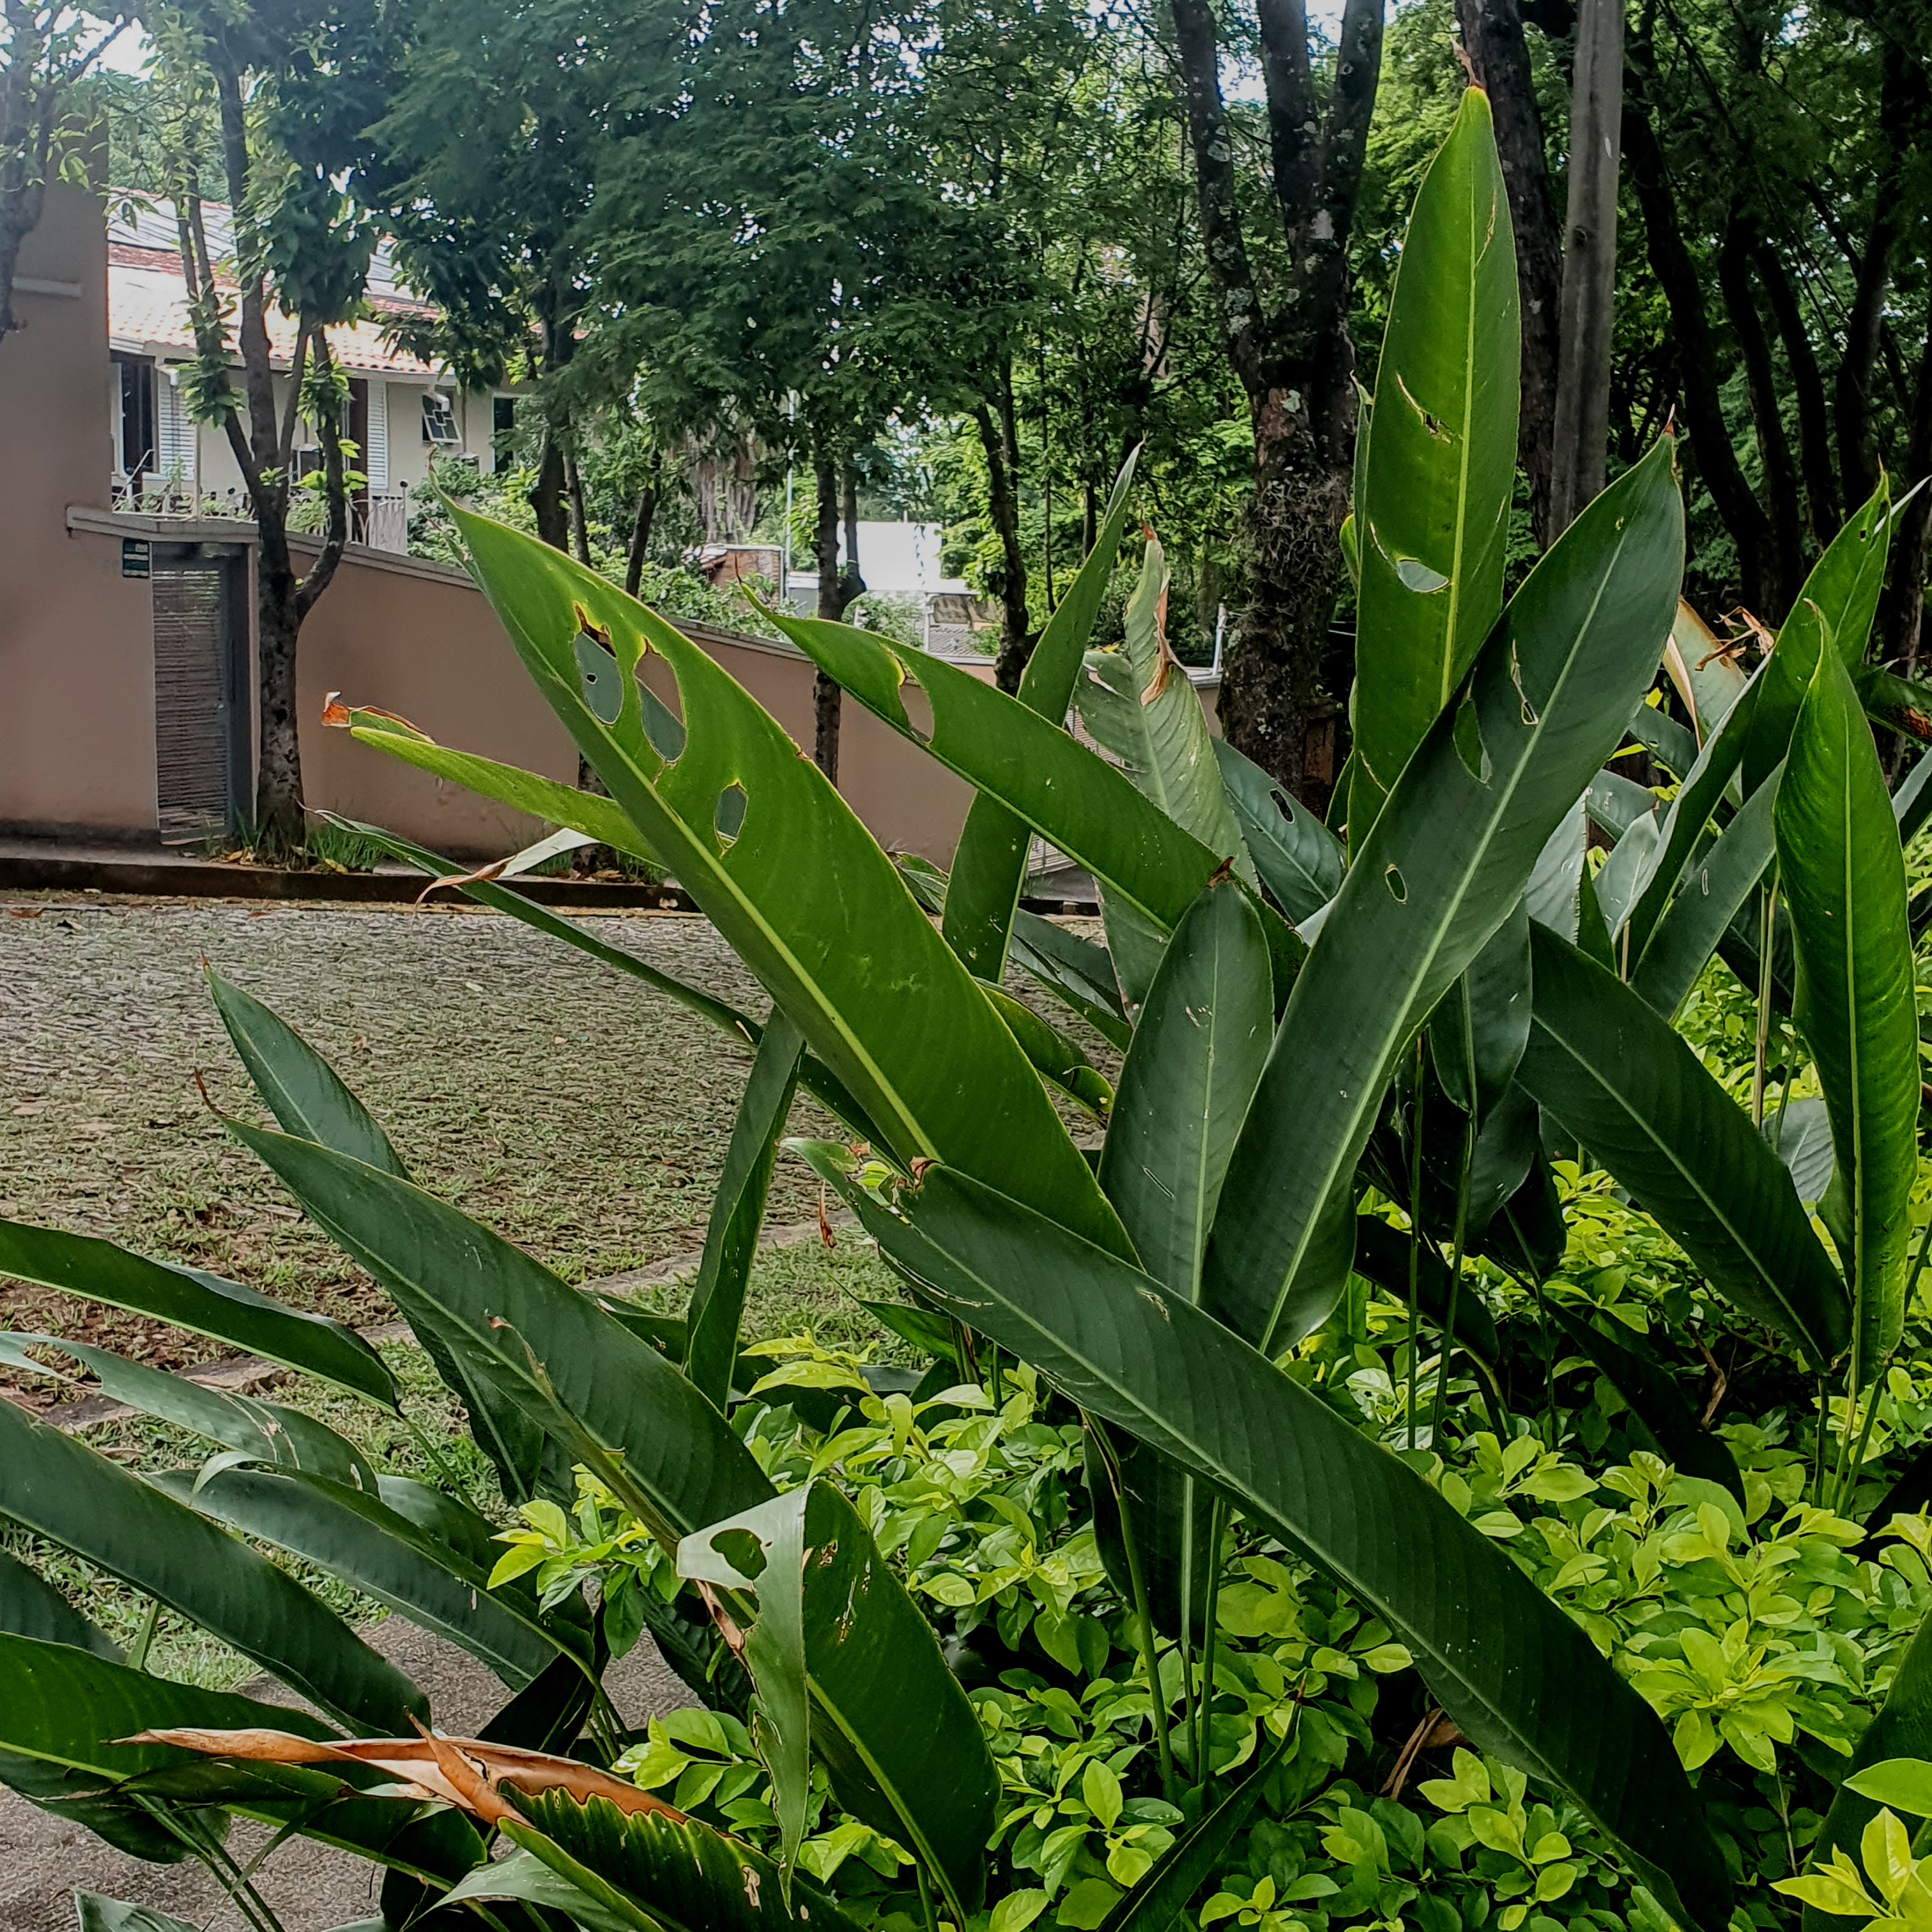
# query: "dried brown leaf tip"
(482, 875)
(1223, 872)
(467, 1772)
(334, 711)
(917, 1170)
(825, 1237)
(595, 632)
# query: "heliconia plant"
(1348, 1066)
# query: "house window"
(439, 418)
(134, 452)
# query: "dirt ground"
(578, 1112)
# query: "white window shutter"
(375, 457)
(176, 450)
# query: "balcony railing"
(381, 519)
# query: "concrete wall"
(76, 649)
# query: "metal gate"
(200, 691)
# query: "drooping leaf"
(523, 1878)
(738, 1210)
(1447, 861)
(354, 1536)
(1077, 971)
(505, 1309)
(1615, 803)
(94, 1913)
(989, 863)
(1800, 1135)
(1087, 808)
(60, 1489)
(788, 891)
(1843, 877)
(1716, 888)
(1432, 511)
(1707, 677)
(1509, 1665)
(903, 1744)
(1383, 1255)
(1610, 1068)
(1552, 898)
(204, 1304)
(1185, 1084)
(1057, 1058)
(1298, 859)
(662, 1873)
(267, 1430)
(1912, 803)
(1656, 1401)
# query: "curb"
(194, 878)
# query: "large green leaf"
(31, 1606)
(1610, 1068)
(524, 1878)
(1076, 971)
(1834, 610)
(801, 893)
(504, 1310)
(61, 1489)
(1446, 864)
(1512, 1668)
(1137, 704)
(656, 1872)
(224, 1311)
(1088, 808)
(738, 1210)
(1843, 877)
(1432, 512)
(1716, 889)
(266, 1430)
(1298, 859)
(990, 862)
(1185, 1084)
(1707, 677)
(1690, 813)
(1666, 741)
(1058, 1059)
(355, 1536)
(93, 1913)
(903, 1744)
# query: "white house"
(902, 560)
(403, 410)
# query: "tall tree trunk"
(1002, 500)
(280, 821)
(580, 528)
(1858, 467)
(1904, 617)
(547, 496)
(1493, 38)
(639, 551)
(1814, 432)
(1297, 365)
(826, 696)
(1697, 362)
(1582, 415)
(1780, 475)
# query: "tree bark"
(580, 528)
(639, 554)
(1493, 36)
(1904, 622)
(1814, 432)
(1780, 475)
(1003, 501)
(1297, 365)
(827, 698)
(547, 494)
(1858, 466)
(1581, 416)
(1742, 515)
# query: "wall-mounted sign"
(137, 557)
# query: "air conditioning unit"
(439, 420)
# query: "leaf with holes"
(1432, 511)
(1446, 862)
